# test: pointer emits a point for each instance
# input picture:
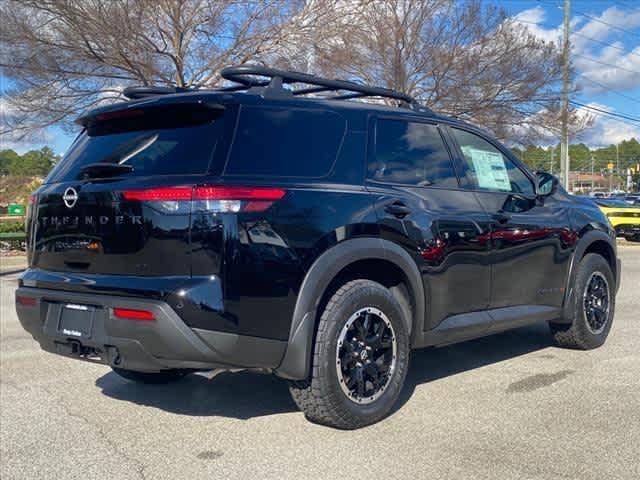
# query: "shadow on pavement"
(244, 395)
(241, 395)
(432, 364)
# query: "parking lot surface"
(508, 406)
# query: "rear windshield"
(285, 142)
(182, 144)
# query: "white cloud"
(533, 19)
(620, 74)
(588, 56)
(604, 131)
(14, 140)
(607, 130)
(621, 18)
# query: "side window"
(285, 142)
(488, 168)
(411, 153)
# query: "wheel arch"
(594, 241)
(354, 258)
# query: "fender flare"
(585, 241)
(296, 363)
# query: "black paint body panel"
(256, 274)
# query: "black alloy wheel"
(366, 355)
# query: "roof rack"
(245, 77)
(269, 81)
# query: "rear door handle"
(501, 217)
(397, 209)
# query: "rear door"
(531, 238)
(421, 206)
(119, 202)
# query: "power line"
(590, 17)
(615, 27)
(624, 5)
(609, 89)
(606, 64)
(605, 112)
(608, 44)
(586, 37)
(594, 60)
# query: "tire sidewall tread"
(321, 397)
(577, 334)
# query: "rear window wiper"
(96, 170)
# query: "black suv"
(275, 225)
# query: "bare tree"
(458, 57)
(64, 56)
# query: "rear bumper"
(164, 343)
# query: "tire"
(165, 376)
(632, 238)
(324, 397)
(581, 333)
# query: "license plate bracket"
(76, 320)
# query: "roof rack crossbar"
(245, 75)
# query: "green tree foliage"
(33, 163)
(581, 157)
(538, 158)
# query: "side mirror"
(547, 184)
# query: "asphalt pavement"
(508, 406)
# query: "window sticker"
(490, 168)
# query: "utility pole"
(592, 182)
(617, 159)
(551, 161)
(564, 141)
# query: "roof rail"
(245, 77)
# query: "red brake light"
(212, 198)
(161, 194)
(26, 301)
(132, 314)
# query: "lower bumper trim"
(164, 343)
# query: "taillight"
(217, 199)
(132, 314)
(26, 301)
(161, 194)
(235, 199)
(31, 203)
(238, 193)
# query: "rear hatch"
(120, 201)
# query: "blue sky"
(605, 55)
